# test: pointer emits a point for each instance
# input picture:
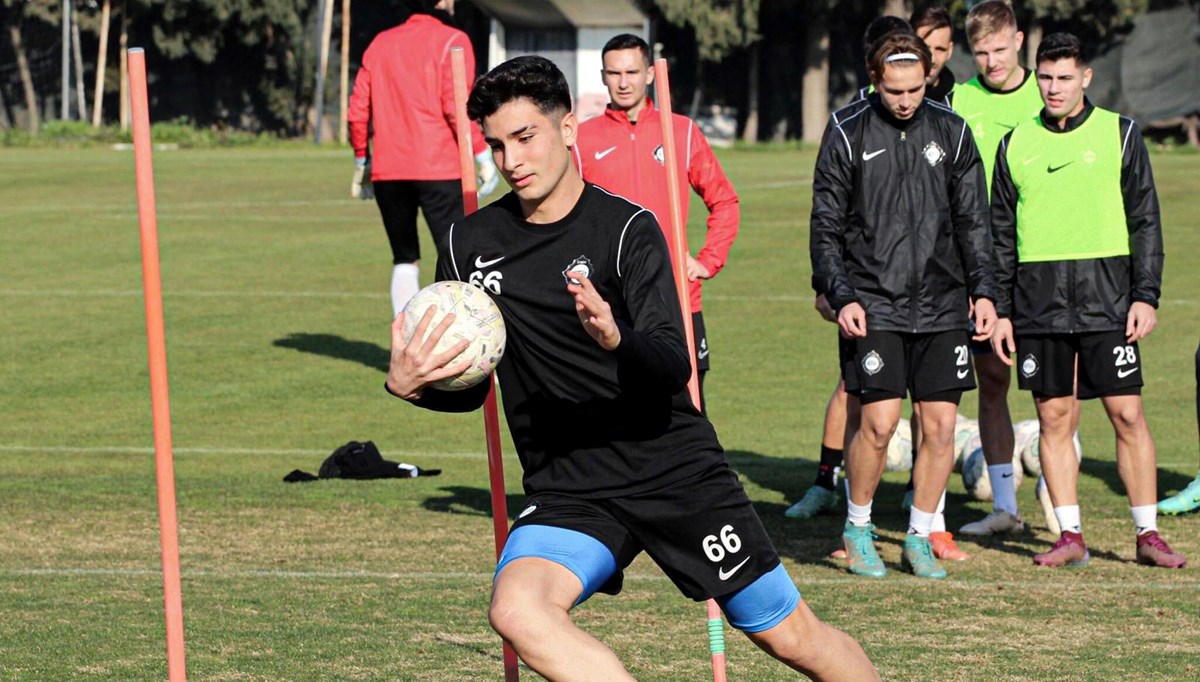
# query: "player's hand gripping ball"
(476, 319)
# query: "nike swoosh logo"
(962, 373)
(868, 157)
(606, 152)
(1055, 169)
(1122, 373)
(1009, 475)
(702, 354)
(726, 575)
(481, 263)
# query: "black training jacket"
(1087, 295)
(900, 218)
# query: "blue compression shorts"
(759, 606)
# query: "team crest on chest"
(658, 155)
(933, 153)
(579, 266)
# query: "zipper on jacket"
(1071, 297)
(914, 279)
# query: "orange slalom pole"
(156, 344)
(491, 414)
(679, 247)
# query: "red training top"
(627, 159)
(405, 88)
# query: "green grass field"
(277, 329)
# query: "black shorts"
(1107, 365)
(702, 531)
(700, 336)
(884, 365)
(440, 202)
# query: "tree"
(721, 27)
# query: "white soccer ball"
(1031, 455)
(476, 319)
(1025, 434)
(975, 475)
(899, 450)
(965, 429)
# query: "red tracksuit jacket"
(627, 159)
(406, 90)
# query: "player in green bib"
(995, 101)
(1079, 253)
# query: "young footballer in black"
(616, 458)
(1079, 270)
(899, 241)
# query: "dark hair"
(881, 27)
(932, 18)
(627, 41)
(529, 77)
(1058, 46)
(899, 43)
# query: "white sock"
(920, 522)
(1004, 494)
(1068, 518)
(939, 519)
(405, 284)
(1145, 518)
(858, 515)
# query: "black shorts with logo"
(700, 337)
(702, 531)
(884, 365)
(1108, 365)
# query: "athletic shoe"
(1184, 501)
(994, 524)
(917, 557)
(1152, 550)
(944, 547)
(1068, 551)
(1043, 496)
(815, 501)
(906, 503)
(860, 551)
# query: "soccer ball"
(965, 429)
(899, 449)
(975, 475)
(1031, 454)
(1025, 434)
(476, 319)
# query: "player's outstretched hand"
(1140, 322)
(1002, 340)
(984, 314)
(696, 270)
(594, 312)
(826, 310)
(415, 365)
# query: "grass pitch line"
(300, 452)
(902, 581)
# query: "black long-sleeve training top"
(584, 420)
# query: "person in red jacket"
(404, 92)
(622, 152)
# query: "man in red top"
(405, 91)
(622, 152)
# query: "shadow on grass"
(460, 499)
(1106, 472)
(333, 346)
